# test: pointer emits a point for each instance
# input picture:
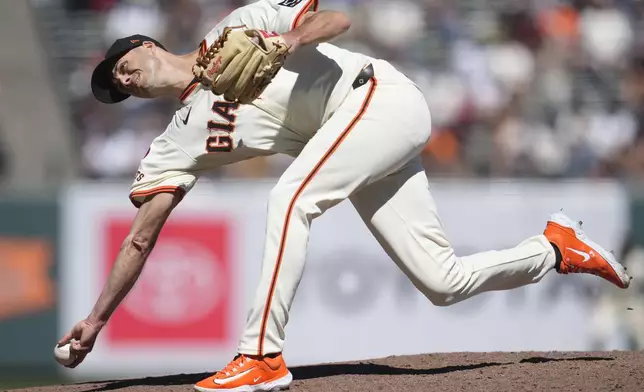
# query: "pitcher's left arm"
(317, 27)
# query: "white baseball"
(63, 354)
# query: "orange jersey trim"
(186, 93)
(194, 83)
(307, 180)
(311, 5)
(155, 191)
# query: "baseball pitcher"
(267, 81)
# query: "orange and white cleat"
(579, 254)
(249, 374)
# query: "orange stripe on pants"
(300, 189)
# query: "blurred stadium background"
(536, 105)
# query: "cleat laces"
(234, 366)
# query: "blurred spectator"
(89, 5)
(130, 17)
(606, 34)
(3, 161)
(543, 88)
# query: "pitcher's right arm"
(135, 249)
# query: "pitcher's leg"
(354, 148)
(401, 213)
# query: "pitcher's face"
(137, 72)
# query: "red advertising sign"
(183, 293)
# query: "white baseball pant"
(368, 152)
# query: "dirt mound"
(495, 372)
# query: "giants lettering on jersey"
(290, 3)
(218, 142)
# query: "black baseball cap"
(103, 86)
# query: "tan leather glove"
(241, 63)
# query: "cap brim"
(102, 86)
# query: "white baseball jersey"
(359, 143)
(208, 132)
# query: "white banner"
(188, 309)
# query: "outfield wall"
(187, 311)
(28, 285)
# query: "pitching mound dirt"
(495, 372)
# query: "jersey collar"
(188, 93)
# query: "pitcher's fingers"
(78, 348)
(65, 339)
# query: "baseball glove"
(241, 63)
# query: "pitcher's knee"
(447, 284)
(281, 196)
(442, 296)
(285, 197)
(441, 299)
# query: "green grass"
(15, 384)
(13, 379)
